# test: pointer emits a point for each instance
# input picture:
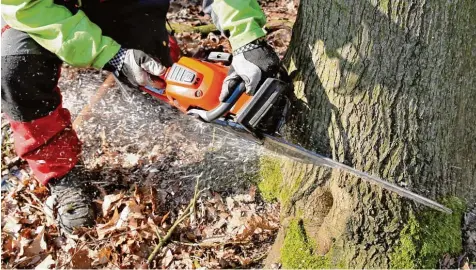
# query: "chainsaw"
(193, 86)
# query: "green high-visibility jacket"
(79, 42)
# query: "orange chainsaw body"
(195, 84)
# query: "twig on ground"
(30, 203)
(210, 244)
(186, 213)
(259, 258)
(34, 197)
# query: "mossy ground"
(298, 251)
(425, 238)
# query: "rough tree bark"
(388, 87)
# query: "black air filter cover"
(264, 99)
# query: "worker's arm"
(76, 40)
(242, 19)
(253, 59)
(72, 37)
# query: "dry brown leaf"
(108, 201)
(252, 224)
(41, 191)
(244, 261)
(252, 192)
(146, 195)
(126, 214)
(236, 220)
(104, 229)
(135, 210)
(38, 245)
(47, 263)
(243, 198)
(230, 203)
(131, 160)
(10, 244)
(168, 258)
(219, 224)
(150, 222)
(81, 260)
(102, 256)
(164, 218)
(25, 261)
(12, 225)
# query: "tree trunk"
(388, 87)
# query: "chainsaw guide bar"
(301, 154)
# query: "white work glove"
(253, 64)
(136, 66)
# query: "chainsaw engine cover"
(266, 102)
(195, 84)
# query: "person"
(127, 37)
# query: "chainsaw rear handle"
(224, 107)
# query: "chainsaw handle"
(224, 107)
(240, 89)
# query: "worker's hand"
(136, 66)
(253, 64)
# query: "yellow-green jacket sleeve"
(73, 38)
(244, 19)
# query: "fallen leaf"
(108, 201)
(243, 198)
(131, 160)
(12, 225)
(104, 229)
(236, 220)
(38, 245)
(244, 261)
(41, 191)
(230, 203)
(81, 260)
(47, 263)
(164, 218)
(135, 210)
(10, 246)
(252, 192)
(102, 256)
(168, 258)
(145, 195)
(252, 224)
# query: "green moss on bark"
(272, 184)
(425, 238)
(271, 178)
(298, 251)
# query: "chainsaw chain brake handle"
(223, 108)
(157, 82)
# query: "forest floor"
(147, 159)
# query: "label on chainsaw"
(181, 74)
